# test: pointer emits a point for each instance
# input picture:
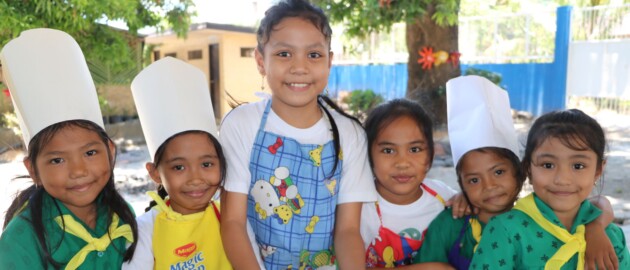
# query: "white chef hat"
(171, 97)
(49, 81)
(479, 116)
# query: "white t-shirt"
(143, 257)
(412, 218)
(239, 129)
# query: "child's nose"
(78, 168)
(562, 176)
(298, 65)
(402, 162)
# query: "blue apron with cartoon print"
(292, 201)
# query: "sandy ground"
(133, 181)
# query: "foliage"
(11, 122)
(106, 109)
(85, 21)
(361, 102)
(361, 17)
(492, 76)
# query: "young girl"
(400, 143)
(487, 165)
(564, 158)
(72, 217)
(175, 109)
(298, 170)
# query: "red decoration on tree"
(426, 57)
(6, 92)
(453, 58)
(382, 3)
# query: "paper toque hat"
(479, 115)
(49, 81)
(171, 97)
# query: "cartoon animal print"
(311, 225)
(265, 197)
(288, 191)
(274, 147)
(316, 155)
(284, 213)
(331, 184)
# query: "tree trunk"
(428, 86)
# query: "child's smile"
(190, 172)
(400, 161)
(489, 181)
(73, 167)
(563, 177)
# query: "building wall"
(239, 75)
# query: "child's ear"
(31, 170)
(112, 152)
(600, 171)
(330, 58)
(260, 62)
(153, 172)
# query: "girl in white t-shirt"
(400, 145)
(298, 169)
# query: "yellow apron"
(573, 243)
(187, 241)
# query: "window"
(247, 52)
(156, 55)
(196, 54)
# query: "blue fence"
(534, 87)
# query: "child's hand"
(599, 250)
(460, 206)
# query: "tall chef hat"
(479, 116)
(49, 81)
(171, 97)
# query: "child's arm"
(234, 231)
(348, 243)
(599, 250)
(460, 206)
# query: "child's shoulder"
(147, 219)
(441, 188)
(247, 111)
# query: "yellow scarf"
(168, 211)
(93, 244)
(572, 242)
(476, 231)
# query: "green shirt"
(443, 232)
(20, 249)
(514, 241)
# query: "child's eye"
(387, 150)
(314, 55)
(56, 160)
(178, 167)
(578, 166)
(416, 149)
(547, 165)
(473, 180)
(499, 172)
(283, 54)
(90, 153)
(206, 164)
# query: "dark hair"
(159, 155)
(575, 129)
(292, 8)
(386, 113)
(519, 174)
(34, 194)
